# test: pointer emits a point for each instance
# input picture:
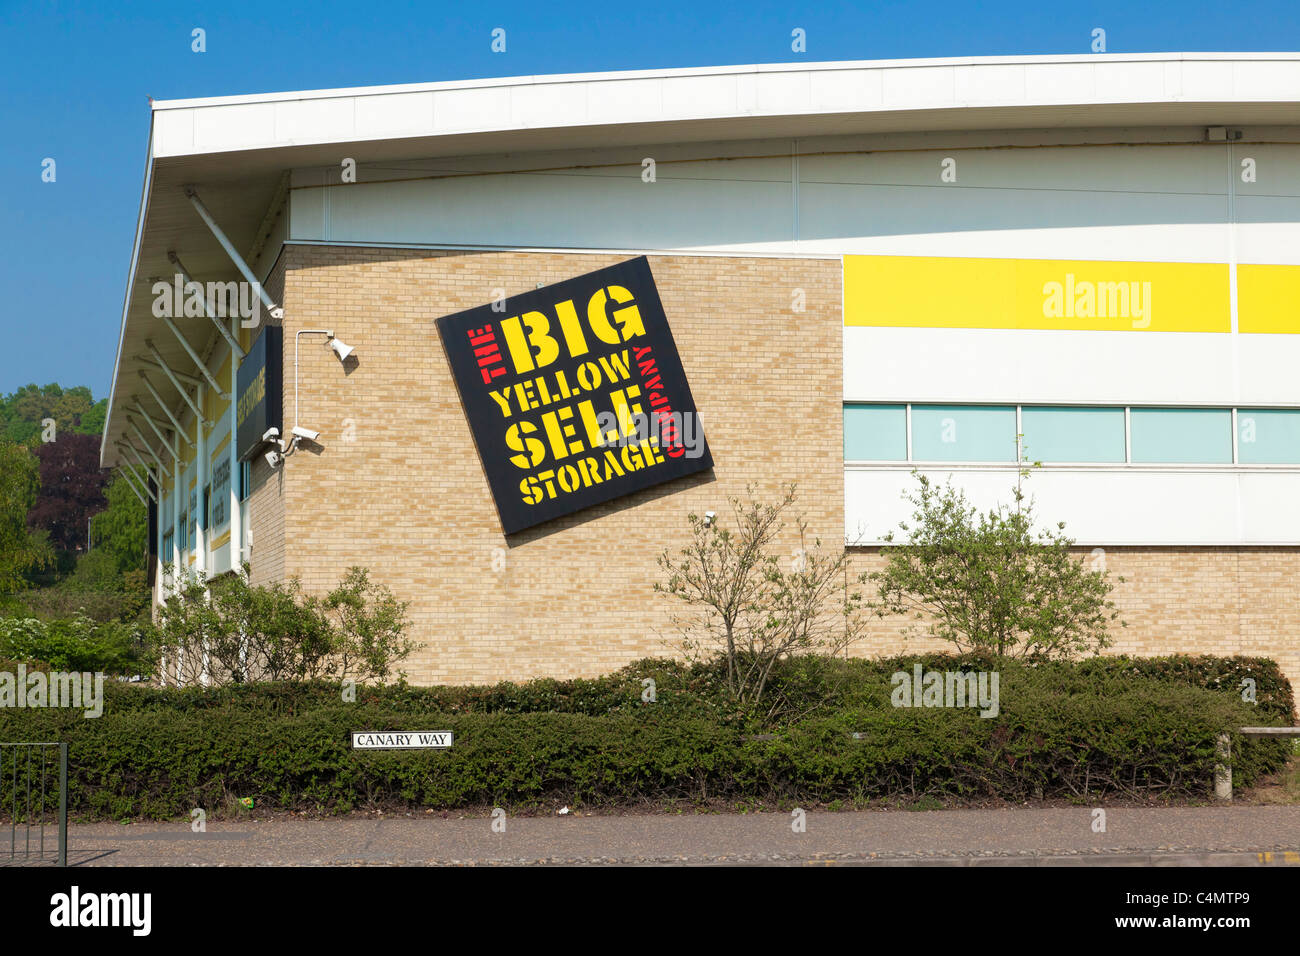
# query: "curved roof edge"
(723, 95)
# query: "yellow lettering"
(628, 318)
(572, 329)
(534, 446)
(537, 349)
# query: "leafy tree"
(72, 489)
(228, 631)
(369, 626)
(21, 550)
(989, 582)
(77, 643)
(73, 410)
(747, 607)
(122, 528)
(91, 422)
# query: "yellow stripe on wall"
(1268, 298)
(958, 293)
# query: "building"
(867, 268)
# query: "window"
(245, 480)
(1268, 436)
(1071, 434)
(963, 433)
(875, 433)
(1074, 433)
(220, 496)
(1181, 435)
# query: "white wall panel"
(1267, 369)
(1275, 239)
(1007, 223)
(1012, 365)
(1111, 506)
(1173, 170)
(220, 560)
(1132, 203)
(549, 210)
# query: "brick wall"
(1191, 600)
(396, 485)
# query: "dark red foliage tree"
(72, 489)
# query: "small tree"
(989, 582)
(21, 550)
(228, 631)
(369, 627)
(749, 608)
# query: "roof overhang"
(236, 149)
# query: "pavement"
(1182, 836)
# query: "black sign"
(575, 394)
(259, 396)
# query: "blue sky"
(75, 77)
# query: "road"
(1239, 835)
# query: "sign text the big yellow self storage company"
(575, 394)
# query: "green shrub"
(74, 644)
(1063, 732)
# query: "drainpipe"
(235, 510)
(177, 531)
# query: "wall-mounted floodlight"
(340, 349)
(709, 517)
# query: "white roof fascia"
(267, 121)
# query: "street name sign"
(401, 739)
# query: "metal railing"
(29, 772)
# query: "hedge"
(1104, 728)
(806, 683)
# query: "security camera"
(305, 433)
(270, 434)
(273, 458)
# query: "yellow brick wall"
(396, 485)
(1174, 600)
